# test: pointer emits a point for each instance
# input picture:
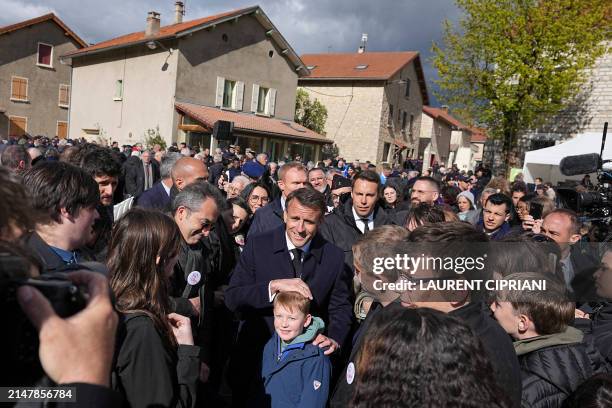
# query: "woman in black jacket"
(155, 363)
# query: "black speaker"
(223, 130)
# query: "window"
(229, 94)
(118, 90)
(386, 149)
(390, 117)
(18, 126)
(62, 129)
(407, 94)
(263, 100)
(410, 129)
(45, 55)
(404, 118)
(19, 89)
(64, 95)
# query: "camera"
(21, 365)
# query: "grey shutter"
(254, 98)
(220, 89)
(239, 95)
(272, 101)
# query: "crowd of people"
(232, 280)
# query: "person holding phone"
(531, 210)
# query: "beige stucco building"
(236, 63)
(34, 85)
(373, 99)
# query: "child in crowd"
(295, 373)
(554, 357)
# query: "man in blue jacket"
(295, 373)
(293, 258)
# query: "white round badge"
(350, 373)
(193, 278)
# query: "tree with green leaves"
(153, 137)
(511, 65)
(310, 114)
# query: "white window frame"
(27, 89)
(15, 116)
(233, 96)
(119, 97)
(57, 122)
(59, 96)
(266, 102)
(37, 55)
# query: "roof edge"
(40, 19)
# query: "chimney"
(152, 24)
(179, 12)
(444, 108)
(364, 41)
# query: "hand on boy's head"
(323, 341)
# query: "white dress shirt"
(305, 249)
(360, 223)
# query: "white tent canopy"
(544, 163)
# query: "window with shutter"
(239, 95)
(229, 94)
(64, 95)
(45, 55)
(118, 90)
(18, 126)
(19, 89)
(263, 101)
(255, 98)
(272, 101)
(62, 129)
(220, 89)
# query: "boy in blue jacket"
(295, 373)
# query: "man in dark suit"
(158, 196)
(291, 176)
(140, 174)
(290, 258)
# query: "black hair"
(391, 375)
(369, 176)
(55, 185)
(308, 197)
(424, 213)
(434, 183)
(101, 162)
(596, 392)
(499, 199)
(248, 190)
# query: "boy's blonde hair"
(292, 301)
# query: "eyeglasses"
(256, 198)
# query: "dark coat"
(552, 373)
(90, 395)
(498, 346)
(214, 172)
(301, 379)
(50, 261)
(599, 327)
(267, 258)
(133, 171)
(267, 218)
(340, 228)
(154, 198)
(147, 373)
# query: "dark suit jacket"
(134, 175)
(267, 258)
(154, 198)
(267, 218)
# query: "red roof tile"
(37, 20)
(438, 113)
(249, 122)
(164, 32)
(379, 65)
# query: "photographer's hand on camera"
(78, 349)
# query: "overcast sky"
(310, 26)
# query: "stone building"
(34, 84)
(444, 139)
(183, 78)
(374, 102)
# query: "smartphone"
(535, 210)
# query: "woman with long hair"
(257, 195)
(417, 358)
(156, 363)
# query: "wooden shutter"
(62, 129)
(272, 96)
(220, 89)
(239, 95)
(254, 98)
(19, 88)
(64, 95)
(17, 126)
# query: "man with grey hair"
(236, 186)
(195, 210)
(140, 174)
(158, 196)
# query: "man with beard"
(425, 190)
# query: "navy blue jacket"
(267, 258)
(154, 198)
(298, 377)
(267, 218)
(501, 232)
